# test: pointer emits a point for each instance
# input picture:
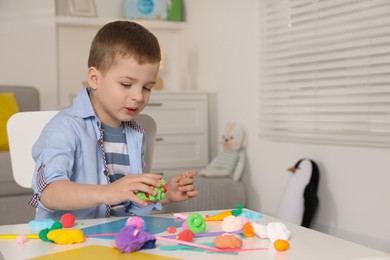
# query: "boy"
(73, 172)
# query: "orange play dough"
(247, 230)
(227, 241)
(281, 245)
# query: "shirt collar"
(82, 105)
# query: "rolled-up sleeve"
(53, 153)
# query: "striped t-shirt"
(114, 143)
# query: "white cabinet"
(182, 131)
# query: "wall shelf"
(99, 22)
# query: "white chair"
(21, 141)
(148, 123)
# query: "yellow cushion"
(8, 107)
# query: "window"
(326, 71)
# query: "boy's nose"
(136, 95)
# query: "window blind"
(326, 71)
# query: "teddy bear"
(230, 161)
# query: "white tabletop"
(304, 244)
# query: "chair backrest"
(21, 141)
(148, 123)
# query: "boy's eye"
(148, 88)
(127, 85)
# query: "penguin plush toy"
(300, 201)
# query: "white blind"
(326, 71)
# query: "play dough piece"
(186, 235)
(41, 223)
(67, 220)
(237, 211)
(180, 215)
(247, 230)
(131, 239)
(227, 241)
(171, 229)
(43, 233)
(160, 193)
(184, 225)
(219, 216)
(21, 239)
(251, 215)
(232, 223)
(281, 245)
(66, 236)
(137, 221)
(196, 223)
(273, 231)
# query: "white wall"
(222, 46)
(23, 25)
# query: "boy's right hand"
(125, 188)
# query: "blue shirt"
(70, 147)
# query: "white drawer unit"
(182, 131)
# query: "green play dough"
(196, 223)
(43, 233)
(160, 193)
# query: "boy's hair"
(124, 38)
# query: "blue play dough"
(154, 225)
(40, 223)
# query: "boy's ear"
(93, 77)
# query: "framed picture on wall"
(82, 8)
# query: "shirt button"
(98, 123)
(105, 172)
(99, 142)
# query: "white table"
(304, 244)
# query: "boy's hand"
(126, 188)
(181, 187)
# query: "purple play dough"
(131, 239)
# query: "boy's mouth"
(131, 110)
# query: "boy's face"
(122, 91)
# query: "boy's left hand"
(181, 187)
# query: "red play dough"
(67, 220)
(185, 235)
(171, 229)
